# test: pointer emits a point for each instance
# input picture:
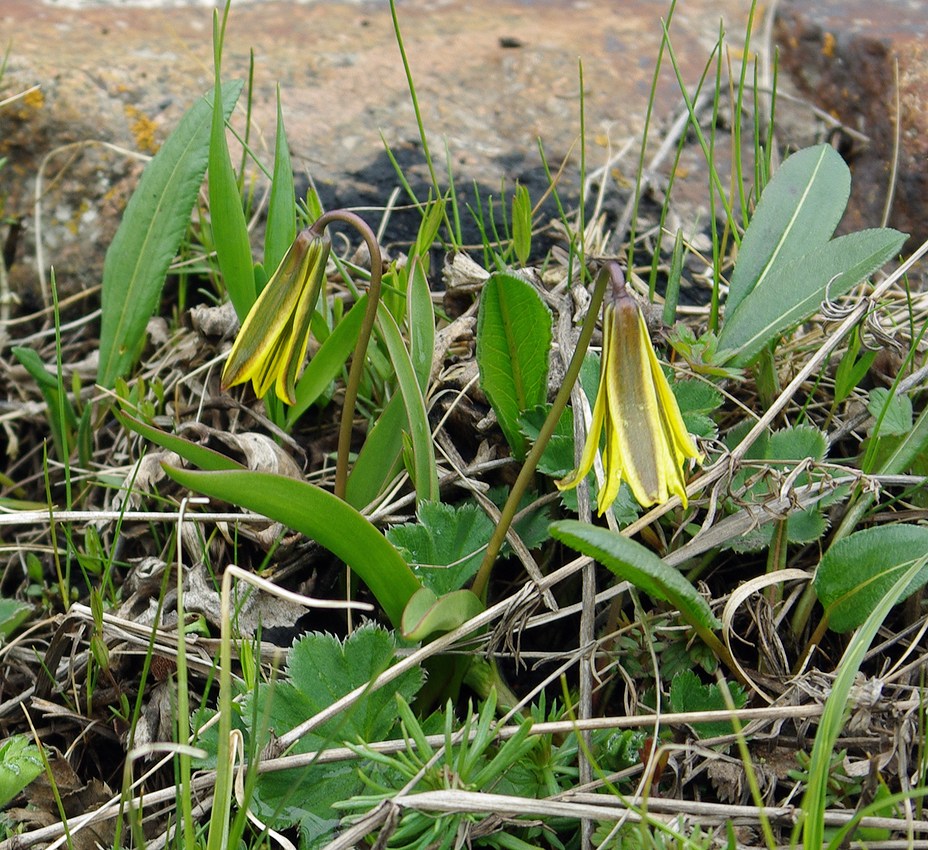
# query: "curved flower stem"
(360, 350)
(609, 273)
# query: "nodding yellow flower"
(271, 345)
(647, 443)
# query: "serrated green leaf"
(149, 235)
(896, 412)
(632, 562)
(20, 763)
(513, 344)
(794, 291)
(445, 547)
(696, 396)
(796, 444)
(858, 571)
(797, 213)
(688, 693)
(321, 670)
(13, 614)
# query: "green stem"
(360, 350)
(609, 273)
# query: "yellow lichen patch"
(828, 45)
(34, 99)
(143, 128)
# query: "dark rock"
(842, 54)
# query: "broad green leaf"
(328, 361)
(688, 693)
(321, 670)
(445, 547)
(794, 291)
(281, 208)
(797, 213)
(194, 453)
(20, 763)
(895, 410)
(423, 449)
(320, 516)
(859, 570)
(13, 614)
(634, 563)
(513, 343)
(428, 614)
(155, 221)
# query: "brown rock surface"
(842, 56)
(491, 77)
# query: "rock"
(491, 77)
(841, 56)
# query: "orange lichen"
(828, 45)
(143, 129)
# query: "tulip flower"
(271, 345)
(646, 441)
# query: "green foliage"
(471, 760)
(786, 264)
(893, 412)
(632, 562)
(20, 763)
(320, 516)
(858, 571)
(62, 421)
(521, 224)
(13, 614)
(151, 230)
(688, 693)
(320, 670)
(513, 346)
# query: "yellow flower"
(271, 344)
(647, 443)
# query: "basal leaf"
(320, 516)
(632, 562)
(428, 614)
(513, 342)
(149, 235)
(688, 693)
(13, 614)
(281, 208)
(857, 572)
(794, 291)
(797, 213)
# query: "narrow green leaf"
(148, 237)
(794, 291)
(797, 213)
(632, 562)
(379, 459)
(522, 224)
(513, 343)
(420, 315)
(328, 361)
(194, 453)
(320, 516)
(815, 802)
(62, 421)
(859, 570)
(281, 208)
(227, 216)
(419, 431)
